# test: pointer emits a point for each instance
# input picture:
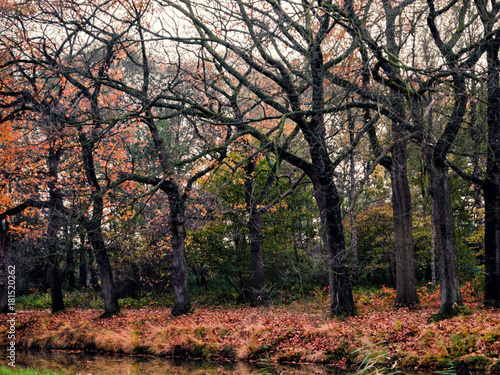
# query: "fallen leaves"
(279, 333)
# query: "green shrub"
(35, 301)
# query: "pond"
(109, 364)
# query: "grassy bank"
(299, 332)
(29, 371)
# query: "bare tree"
(272, 61)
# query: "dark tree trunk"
(326, 194)
(258, 290)
(70, 270)
(94, 280)
(397, 165)
(442, 215)
(433, 250)
(240, 246)
(406, 289)
(440, 191)
(436, 153)
(5, 262)
(445, 238)
(96, 239)
(182, 304)
(70, 265)
(93, 227)
(101, 255)
(254, 225)
(83, 267)
(55, 284)
(352, 203)
(53, 242)
(492, 184)
(329, 204)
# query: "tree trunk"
(182, 304)
(101, 255)
(93, 277)
(70, 270)
(352, 204)
(433, 250)
(492, 236)
(5, 262)
(94, 226)
(53, 243)
(329, 204)
(55, 283)
(406, 289)
(254, 225)
(70, 263)
(82, 267)
(492, 183)
(440, 192)
(258, 290)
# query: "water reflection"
(101, 364)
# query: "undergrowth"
(29, 371)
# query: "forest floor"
(298, 332)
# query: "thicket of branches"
(176, 130)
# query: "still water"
(107, 364)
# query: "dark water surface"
(109, 364)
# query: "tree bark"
(53, 243)
(352, 204)
(82, 267)
(101, 255)
(326, 194)
(329, 204)
(440, 191)
(93, 227)
(433, 250)
(445, 238)
(254, 225)
(182, 304)
(55, 284)
(491, 185)
(258, 290)
(406, 289)
(436, 153)
(70, 267)
(5, 262)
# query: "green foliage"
(220, 248)
(28, 371)
(87, 299)
(35, 301)
(373, 362)
(146, 301)
(460, 345)
(376, 246)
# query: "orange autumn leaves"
(299, 332)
